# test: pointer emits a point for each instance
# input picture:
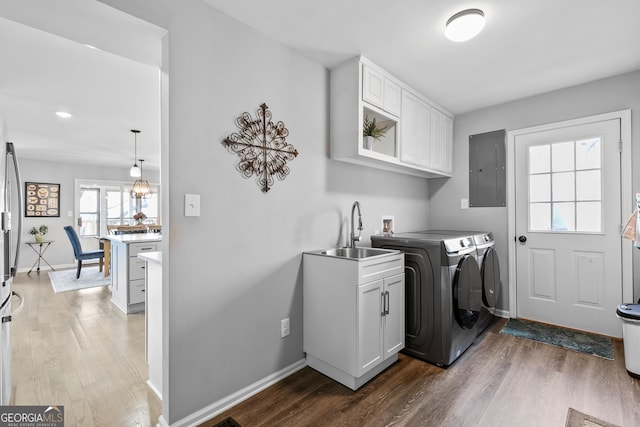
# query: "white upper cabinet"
(415, 125)
(373, 86)
(441, 142)
(418, 135)
(381, 91)
(392, 96)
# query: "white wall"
(235, 271)
(60, 254)
(602, 96)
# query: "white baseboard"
(57, 267)
(155, 390)
(162, 422)
(502, 313)
(46, 267)
(222, 405)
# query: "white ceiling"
(526, 48)
(43, 71)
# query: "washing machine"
(487, 259)
(490, 273)
(442, 293)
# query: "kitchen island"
(128, 283)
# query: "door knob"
(522, 239)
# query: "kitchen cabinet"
(360, 89)
(380, 331)
(441, 128)
(353, 315)
(380, 90)
(128, 271)
(415, 130)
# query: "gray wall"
(235, 271)
(602, 96)
(60, 254)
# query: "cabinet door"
(394, 331)
(414, 130)
(447, 150)
(137, 290)
(370, 351)
(441, 141)
(409, 150)
(424, 132)
(392, 97)
(136, 268)
(372, 86)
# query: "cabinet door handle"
(385, 303)
(386, 307)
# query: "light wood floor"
(78, 350)
(499, 381)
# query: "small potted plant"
(372, 130)
(139, 217)
(39, 232)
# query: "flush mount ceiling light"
(135, 170)
(464, 25)
(63, 114)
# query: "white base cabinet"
(128, 283)
(353, 315)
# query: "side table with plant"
(39, 232)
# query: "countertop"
(155, 257)
(135, 237)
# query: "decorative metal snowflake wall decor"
(262, 148)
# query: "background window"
(89, 211)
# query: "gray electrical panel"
(487, 169)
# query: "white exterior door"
(567, 223)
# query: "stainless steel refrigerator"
(11, 201)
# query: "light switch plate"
(464, 203)
(191, 205)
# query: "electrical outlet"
(284, 328)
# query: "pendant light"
(135, 170)
(141, 187)
(464, 25)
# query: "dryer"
(490, 273)
(487, 258)
(442, 293)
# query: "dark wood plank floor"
(499, 381)
(77, 349)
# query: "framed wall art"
(387, 224)
(41, 199)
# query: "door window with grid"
(565, 186)
(89, 212)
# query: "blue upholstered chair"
(77, 250)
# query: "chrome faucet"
(354, 238)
